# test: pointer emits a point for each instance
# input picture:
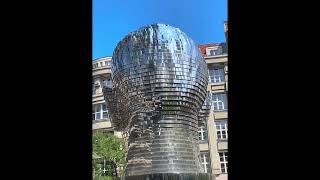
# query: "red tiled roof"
(202, 47)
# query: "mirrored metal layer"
(159, 88)
(171, 176)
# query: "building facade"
(213, 137)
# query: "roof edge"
(102, 58)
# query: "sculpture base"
(171, 176)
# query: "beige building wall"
(101, 71)
(212, 140)
(217, 145)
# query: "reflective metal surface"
(159, 88)
(171, 176)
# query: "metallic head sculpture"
(159, 88)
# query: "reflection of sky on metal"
(159, 87)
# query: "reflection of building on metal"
(159, 86)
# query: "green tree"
(108, 147)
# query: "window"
(205, 161)
(105, 114)
(224, 161)
(99, 111)
(213, 52)
(222, 129)
(203, 134)
(216, 52)
(219, 102)
(107, 83)
(216, 74)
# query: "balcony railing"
(217, 55)
(101, 64)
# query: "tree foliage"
(108, 147)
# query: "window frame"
(203, 133)
(204, 162)
(216, 103)
(218, 50)
(223, 163)
(217, 74)
(98, 111)
(219, 129)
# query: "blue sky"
(202, 20)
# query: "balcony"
(217, 55)
(101, 120)
(217, 50)
(101, 66)
(101, 124)
(102, 62)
